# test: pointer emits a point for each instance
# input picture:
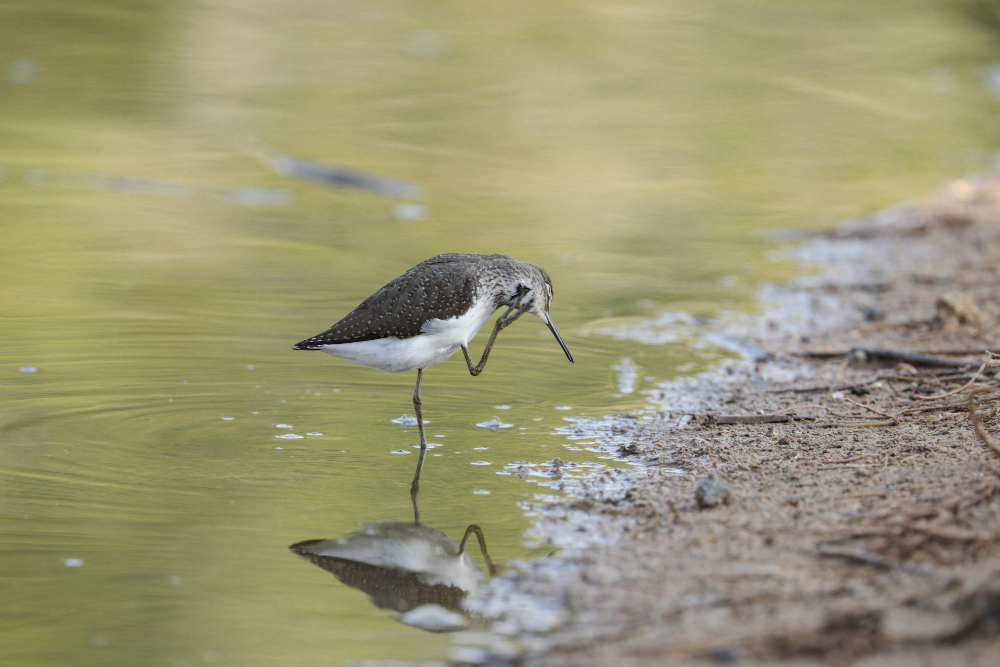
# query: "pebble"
(712, 492)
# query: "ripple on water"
(283, 426)
(399, 451)
(480, 463)
(289, 436)
(494, 424)
(407, 420)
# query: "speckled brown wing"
(441, 287)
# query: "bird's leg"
(503, 322)
(482, 546)
(417, 403)
(415, 486)
(476, 370)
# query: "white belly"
(440, 339)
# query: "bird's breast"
(459, 330)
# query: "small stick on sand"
(866, 494)
(859, 555)
(872, 559)
(952, 534)
(871, 409)
(842, 461)
(962, 405)
(891, 422)
(827, 387)
(908, 357)
(978, 424)
(960, 389)
(748, 419)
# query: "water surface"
(156, 271)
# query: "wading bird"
(433, 310)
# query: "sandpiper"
(430, 312)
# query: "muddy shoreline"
(858, 515)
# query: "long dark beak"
(552, 328)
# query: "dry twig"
(872, 559)
(859, 555)
(826, 387)
(951, 534)
(908, 357)
(978, 424)
(960, 389)
(891, 422)
(871, 409)
(841, 461)
(959, 405)
(748, 419)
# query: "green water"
(633, 149)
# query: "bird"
(434, 310)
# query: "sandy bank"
(863, 521)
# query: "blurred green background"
(634, 149)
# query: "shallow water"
(157, 270)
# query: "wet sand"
(858, 510)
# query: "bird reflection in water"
(406, 566)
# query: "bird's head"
(533, 294)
